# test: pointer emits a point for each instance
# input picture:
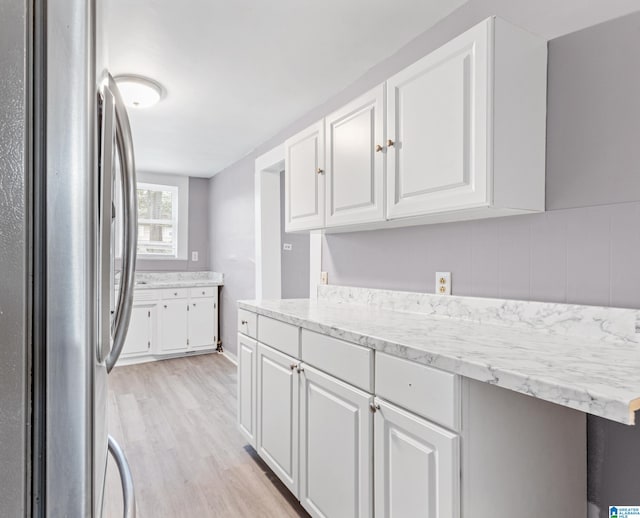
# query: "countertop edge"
(579, 399)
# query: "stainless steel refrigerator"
(64, 138)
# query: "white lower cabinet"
(336, 440)
(171, 322)
(140, 334)
(203, 323)
(173, 326)
(247, 387)
(417, 466)
(277, 440)
(348, 452)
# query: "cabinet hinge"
(149, 314)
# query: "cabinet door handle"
(374, 407)
(165, 306)
(292, 366)
(300, 369)
(176, 293)
(319, 170)
(379, 148)
(244, 322)
(194, 304)
(390, 143)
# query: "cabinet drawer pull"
(176, 293)
(244, 322)
(165, 306)
(319, 170)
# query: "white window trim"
(182, 183)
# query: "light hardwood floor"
(176, 421)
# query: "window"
(163, 216)
(158, 231)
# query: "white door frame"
(267, 221)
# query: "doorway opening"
(287, 264)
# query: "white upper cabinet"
(438, 110)
(458, 135)
(305, 179)
(355, 161)
(466, 127)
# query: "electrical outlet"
(194, 256)
(324, 278)
(443, 283)
(287, 247)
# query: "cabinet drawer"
(144, 295)
(247, 323)
(428, 392)
(279, 335)
(202, 291)
(348, 362)
(175, 293)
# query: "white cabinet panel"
(355, 170)
(173, 326)
(417, 466)
(247, 385)
(278, 414)
(335, 447)
(305, 179)
(140, 331)
(437, 113)
(202, 322)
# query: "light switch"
(194, 256)
(287, 247)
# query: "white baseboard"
(231, 357)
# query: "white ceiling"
(237, 72)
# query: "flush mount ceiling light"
(138, 91)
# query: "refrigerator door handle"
(128, 493)
(124, 306)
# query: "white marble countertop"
(582, 357)
(159, 280)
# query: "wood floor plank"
(176, 421)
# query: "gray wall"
(199, 220)
(295, 262)
(231, 205)
(584, 250)
(14, 271)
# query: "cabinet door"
(138, 339)
(173, 326)
(355, 161)
(247, 385)
(336, 447)
(417, 466)
(278, 414)
(304, 179)
(202, 323)
(438, 123)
